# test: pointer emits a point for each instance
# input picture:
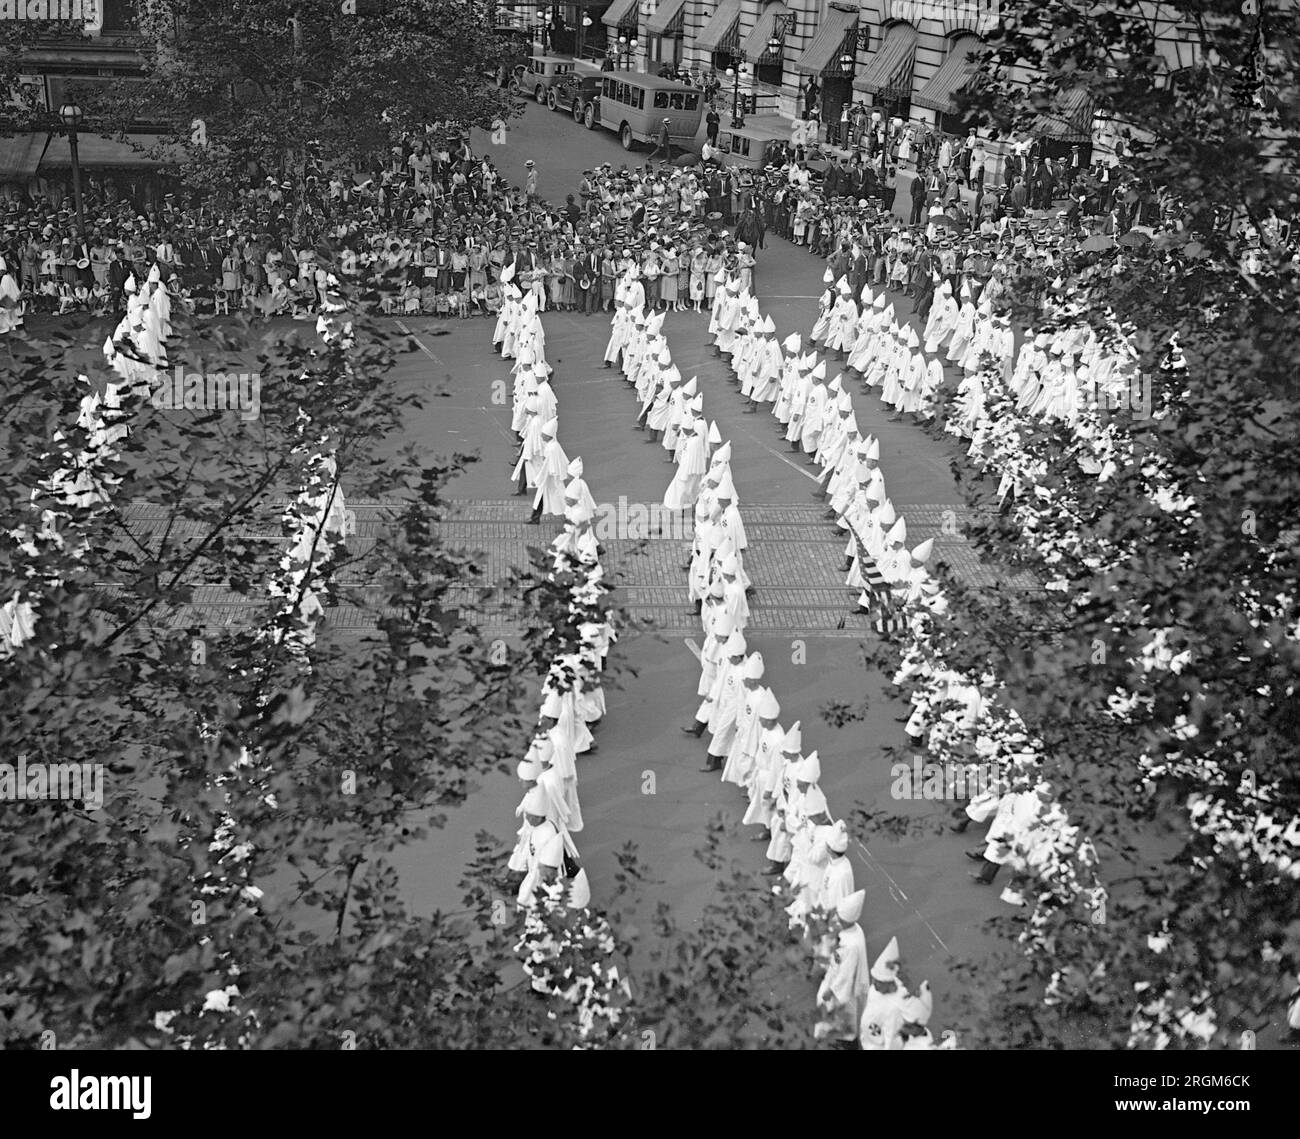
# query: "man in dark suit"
(588, 269)
(833, 180)
(918, 199)
(1017, 197)
(857, 273)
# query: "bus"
(634, 104)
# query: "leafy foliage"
(1201, 925)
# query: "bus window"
(692, 100)
(676, 101)
(605, 88)
(638, 98)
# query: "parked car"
(539, 74)
(571, 93)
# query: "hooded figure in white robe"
(844, 987)
(882, 1013)
(692, 462)
(552, 472)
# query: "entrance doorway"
(836, 91)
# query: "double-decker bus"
(634, 104)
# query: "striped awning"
(620, 14)
(721, 30)
(889, 70)
(754, 48)
(668, 18)
(1070, 118)
(956, 72)
(20, 155)
(823, 54)
(94, 150)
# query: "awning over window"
(95, 151)
(956, 72)
(823, 54)
(620, 14)
(668, 18)
(20, 155)
(755, 46)
(720, 31)
(889, 70)
(1070, 118)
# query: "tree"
(235, 889)
(281, 82)
(1158, 669)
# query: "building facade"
(880, 52)
(61, 62)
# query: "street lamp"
(542, 19)
(71, 115)
(626, 49)
(734, 74)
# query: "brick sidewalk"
(793, 558)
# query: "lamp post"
(734, 74)
(70, 113)
(626, 50)
(542, 20)
(847, 62)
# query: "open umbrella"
(1098, 243)
(944, 221)
(689, 158)
(1134, 238)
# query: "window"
(119, 16)
(638, 98)
(740, 145)
(677, 101)
(692, 100)
(661, 100)
(770, 73)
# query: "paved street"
(802, 616)
(801, 621)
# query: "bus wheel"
(589, 116)
(551, 100)
(625, 137)
(540, 94)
